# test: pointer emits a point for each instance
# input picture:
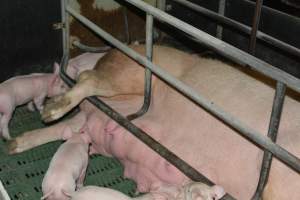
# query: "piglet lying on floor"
(67, 168)
(192, 191)
(23, 89)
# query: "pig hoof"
(54, 109)
(13, 147)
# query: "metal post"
(66, 27)
(241, 27)
(272, 134)
(221, 11)
(255, 24)
(241, 128)
(126, 25)
(148, 73)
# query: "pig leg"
(41, 136)
(57, 107)
(4, 125)
(30, 106)
(79, 183)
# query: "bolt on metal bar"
(221, 11)
(86, 48)
(272, 134)
(242, 129)
(241, 27)
(255, 24)
(140, 134)
(148, 73)
(221, 47)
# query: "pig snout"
(201, 191)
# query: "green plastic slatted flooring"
(22, 174)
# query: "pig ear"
(67, 133)
(56, 68)
(218, 191)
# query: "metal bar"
(244, 130)
(272, 134)
(161, 4)
(148, 73)
(241, 27)
(137, 132)
(86, 48)
(221, 11)
(255, 24)
(126, 25)
(66, 27)
(221, 47)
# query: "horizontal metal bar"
(86, 48)
(241, 27)
(144, 137)
(221, 47)
(244, 130)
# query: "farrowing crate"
(22, 174)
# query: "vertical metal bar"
(148, 73)
(272, 134)
(126, 25)
(221, 11)
(255, 24)
(161, 4)
(66, 27)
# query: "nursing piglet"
(23, 89)
(94, 192)
(67, 168)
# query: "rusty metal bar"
(272, 134)
(221, 11)
(86, 48)
(66, 27)
(242, 129)
(241, 27)
(255, 24)
(148, 73)
(126, 25)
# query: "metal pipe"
(137, 132)
(148, 73)
(272, 134)
(243, 130)
(221, 11)
(241, 27)
(66, 27)
(126, 25)
(86, 48)
(221, 47)
(255, 24)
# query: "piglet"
(95, 193)
(23, 89)
(201, 191)
(67, 168)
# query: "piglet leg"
(4, 125)
(41, 136)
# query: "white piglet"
(67, 168)
(24, 89)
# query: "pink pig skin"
(95, 193)
(67, 168)
(23, 89)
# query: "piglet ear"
(56, 68)
(218, 191)
(67, 133)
